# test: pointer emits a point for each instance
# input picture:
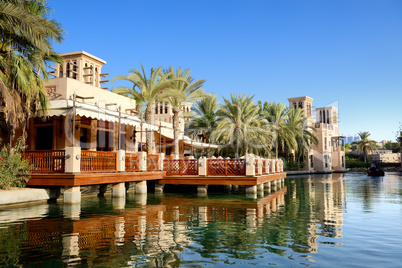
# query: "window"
(161, 107)
(311, 161)
(166, 107)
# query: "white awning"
(197, 144)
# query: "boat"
(377, 172)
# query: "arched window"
(68, 69)
(156, 108)
(166, 107)
(161, 107)
(300, 104)
(74, 70)
(295, 105)
(327, 117)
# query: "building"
(329, 154)
(384, 156)
(100, 120)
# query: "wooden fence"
(152, 162)
(94, 161)
(181, 167)
(50, 161)
(226, 167)
(132, 162)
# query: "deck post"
(119, 189)
(159, 188)
(143, 161)
(161, 158)
(250, 165)
(260, 189)
(267, 186)
(251, 189)
(202, 189)
(273, 165)
(73, 160)
(267, 167)
(121, 160)
(259, 166)
(141, 187)
(202, 167)
(72, 195)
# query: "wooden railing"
(256, 167)
(94, 161)
(264, 166)
(226, 167)
(52, 161)
(152, 162)
(132, 162)
(181, 167)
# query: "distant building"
(384, 156)
(351, 138)
(329, 154)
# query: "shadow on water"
(289, 226)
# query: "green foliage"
(356, 163)
(14, 171)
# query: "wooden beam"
(52, 68)
(104, 81)
(104, 88)
(103, 75)
(88, 75)
(90, 67)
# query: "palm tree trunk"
(176, 112)
(149, 118)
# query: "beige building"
(77, 88)
(384, 156)
(329, 154)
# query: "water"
(339, 220)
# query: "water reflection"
(284, 227)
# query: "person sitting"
(373, 167)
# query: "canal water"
(338, 220)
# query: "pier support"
(202, 189)
(251, 189)
(119, 190)
(72, 195)
(141, 187)
(267, 187)
(159, 188)
(260, 189)
(102, 190)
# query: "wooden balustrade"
(226, 167)
(180, 167)
(256, 167)
(94, 161)
(264, 166)
(49, 161)
(132, 162)
(152, 162)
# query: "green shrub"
(14, 171)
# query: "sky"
(344, 53)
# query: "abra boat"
(377, 172)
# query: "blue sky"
(343, 52)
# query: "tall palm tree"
(204, 120)
(277, 115)
(188, 90)
(365, 145)
(26, 35)
(147, 90)
(240, 125)
(304, 134)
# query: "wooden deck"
(221, 180)
(91, 178)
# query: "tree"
(277, 116)
(188, 90)
(365, 145)
(147, 90)
(297, 124)
(26, 35)
(240, 126)
(205, 118)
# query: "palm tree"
(240, 125)
(187, 90)
(277, 116)
(365, 145)
(303, 133)
(205, 119)
(25, 51)
(147, 90)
